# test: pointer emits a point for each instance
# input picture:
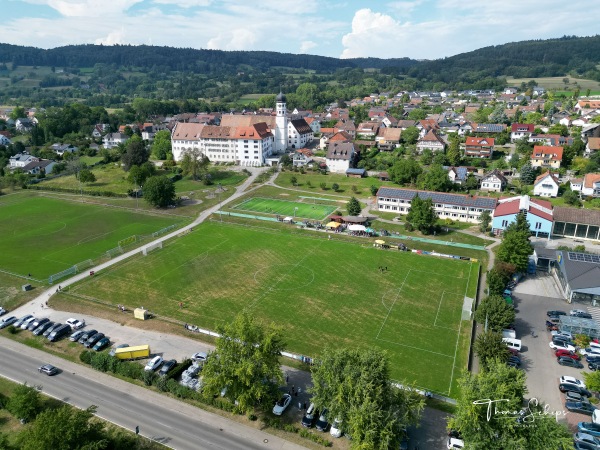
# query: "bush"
(323, 186)
(85, 357)
(408, 227)
(13, 330)
(335, 187)
(162, 384)
(148, 377)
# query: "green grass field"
(42, 236)
(307, 210)
(324, 293)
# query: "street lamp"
(219, 192)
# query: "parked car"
(48, 369)
(567, 387)
(27, 322)
(564, 339)
(7, 321)
(168, 365)
(514, 360)
(75, 324)
(555, 313)
(154, 364)
(589, 351)
(589, 428)
(561, 333)
(336, 428)
(455, 443)
(569, 362)
(580, 407)
(592, 357)
(308, 420)
(584, 446)
(59, 332)
(282, 404)
(593, 366)
(575, 397)
(19, 322)
(199, 357)
(36, 323)
(567, 353)
(51, 329)
(102, 343)
(93, 339)
(571, 380)
(580, 313)
(322, 423)
(2, 311)
(562, 346)
(43, 327)
(586, 438)
(85, 336)
(114, 349)
(76, 335)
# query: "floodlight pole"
(220, 212)
(295, 209)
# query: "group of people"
(121, 308)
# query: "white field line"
(416, 348)
(395, 300)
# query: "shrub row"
(275, 422)
(76, 191)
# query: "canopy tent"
(333, 225)
(288, 219)
(357, 228)
(380, 242)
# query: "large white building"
(244, 139)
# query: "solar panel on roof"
(584, 257)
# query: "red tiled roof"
(528, 127)
(590, 179)
(553, 153)
(512, 205)
(544, 175)
(480, 141)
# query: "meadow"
(324, 293)
(309, 209)
(43, 235)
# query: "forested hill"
(145, 56)
(525, 59)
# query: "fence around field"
(26, 277)
(436, 241)
(246, 216)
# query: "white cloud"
(90, 8)
(113, 38)
(305, 46)
(184, 3)
(370, 31)
(404, 8)
(240, 39)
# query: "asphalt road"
(163, 419)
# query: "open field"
(322, 292)
(312, 182)
(556, 83)
(42, 236)
(306, 210)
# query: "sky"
(419, 29)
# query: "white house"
(20, 160)
(24, 124)
(493, 182)
(546, 185)
(302, 157)
(431, 141)
(340, 156)
(589, 186)
(4, 140)
(521, 130)
(112, 140)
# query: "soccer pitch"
(324, 293)
(306, 210)
(43, 235)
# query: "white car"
(336, 428)
(455, 443)
(154, 364)
(282, 404)
(576, 312)
(589, 351)
(26, 323)
(572, 380)
(562, 333)
(199, 357)
(19, 322)
(562, 346)
(2, 311)
(75, 324)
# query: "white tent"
(357, 228)
(288, 219)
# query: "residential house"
(589, 186)
(340, 156)
(24, 125)
(592, 145)
(493, 181)
(302, 157)
(111, 140)
(390, 121)
(462, 208)
(476, 147)
(404, 124)
(488, 127)
(546, 156)
(546, 185)
(99, 130)
(368, 129)
(314, 123)
(61, 149)
(587, 104)
(148, 131)
(356, 173)
(521, 130)
(39, 166)
(431, 141)
(591, 130)
(4, 140)
(299, 133)
(347, 126)
(538, 90)
(538, 213)
(388, 138)
(458, 175)
(576, 184)
(20, 160)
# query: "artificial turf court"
(307, 210)
(322, 292)
(42, 235)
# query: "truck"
(136, 352)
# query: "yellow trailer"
(137, 352)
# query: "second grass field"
(324, 293)
(308, 209)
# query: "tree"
(373, 190)
(18, 113)
(355, 385)
(293, 180)
(498, 277)
(472, 182)
(405, 171)
(161, 146)
(135, 153)
(528, 173)
(159, 191)
(571, 198)
(427, 157)
(410, 136)
(421, 215)
(65, 427)
(335, 187)
(453, 152)
(139, 174)
(498, 314)
(286, 161)
(515, 249)
(353, 207)
(86, 176)
(484, 221)
(25, 402)
(246, 355)
(592, 380)
(498, 115)
(194, 163)
(520, 224)
(435, 179)
(486, 407)
(489, 347)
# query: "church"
(245, 139)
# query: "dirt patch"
(190, 202)
(283, 194)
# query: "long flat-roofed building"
(463, 208)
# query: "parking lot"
(533, 297)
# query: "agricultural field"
(308, 210)
(43, 236)
(557, 83)
(323, 292)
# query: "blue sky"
(421, 29)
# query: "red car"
(567, 353)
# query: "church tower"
(281, 133)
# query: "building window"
(538, 225)
(504, 223)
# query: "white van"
(510, 334)
(512, 343)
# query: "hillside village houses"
(546, 185)
(546, 156)
(589, 186)
(493, 181)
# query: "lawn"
(312, 182)
(42, 235)
(324, 293)
(307, 210)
